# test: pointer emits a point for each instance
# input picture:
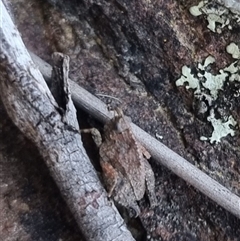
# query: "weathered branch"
(32, 108)
(162, 154)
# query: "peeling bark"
(32, 108)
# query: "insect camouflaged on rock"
(126, 172)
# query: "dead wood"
(32, 108)
(162, 154)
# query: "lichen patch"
(206, 87)
(218, 16)
(233, 49)
(220, 128)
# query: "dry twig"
(32, 108)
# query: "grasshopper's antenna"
(110, 97)
(118, 105)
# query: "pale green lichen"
(207, 85)
(220, 128)
(233, 49)
(214, 82)
(209, 60)
(187, 77)
(218, 16)
(233, 68)
(206, 79)
(195, 10)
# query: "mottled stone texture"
(134, 50)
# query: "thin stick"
(162, 154)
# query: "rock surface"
(133, 51)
